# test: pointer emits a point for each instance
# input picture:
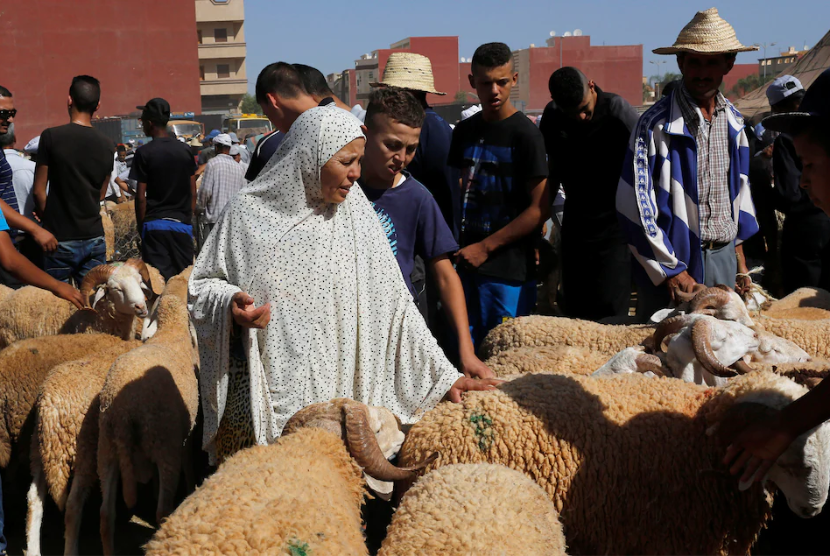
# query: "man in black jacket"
(805, 239)
(586, 133)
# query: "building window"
(220, 35)
(199, 35)
(223, 71)
(371, 75)
(202, 73)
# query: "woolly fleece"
(23, 367)
(546, 359)
(481, 509)
(556, 331)
(809, 335)
(626, 459)
(802, 297)
(301, 495)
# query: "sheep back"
(301, 495)
(626, 460)
(480, 509)
(66, 429)
(23, 367)
(802, 297)
(546, 359)
(556, 331)
(809, 335)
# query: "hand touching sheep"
(248, 316)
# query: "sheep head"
(802, 473)
(121, 285)
(362, 429)
(721, 302)
(631, 360)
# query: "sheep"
(119, 301)
(802, 297)
(302, 494)
(109, 233)
(125, 230)
(557, 359)
(5, 292)
(23, 367)
(148, 408)
(555, 331)
(480, 509)
(809, 335)
(633, 465)
(65, 441)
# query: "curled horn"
(742, 367)
(667, 327)
(363, 446)
(702, 345)
(142, 269)
(709, 300)
(94, 278)
(646, 362)
(684, 297)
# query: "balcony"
(231, 86)
(234, 10)
(220, 50)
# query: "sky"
(331, 35)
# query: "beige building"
(220, 28)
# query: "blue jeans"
(73, 259)
(492, 301)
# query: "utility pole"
(765, 45)
(657, 84)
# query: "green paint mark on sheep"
(298, 548)
(483, 426)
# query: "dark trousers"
(805, 252)
(167, 250)
(596, 278)
(74, 258)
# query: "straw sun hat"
(408, 71)
(706, 33)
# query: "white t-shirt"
(23, 181)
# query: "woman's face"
(341, 171)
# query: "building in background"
(616, 69)
(138, 50)
(441, 51)
(340, 84)
(220, 33)
(779, 64)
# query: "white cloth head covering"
(343, 323)
(471, 111)
(32, 146)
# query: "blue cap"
(782, 87)
(234, 138)
(213, 134)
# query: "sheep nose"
(141, 309)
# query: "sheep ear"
(99, 295)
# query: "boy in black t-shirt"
(501, 155)
(409, 214)
(76, 160)
(166, 195)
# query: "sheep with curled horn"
(116, 298)
(300, 495)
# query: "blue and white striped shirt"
(7, 192)
(657, 197)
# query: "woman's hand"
(757, 448)
(246, 315)
(473, 367)
(468, 384)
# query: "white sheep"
(148, 408)
(516, 362)
(115, 296)
(300, 495)
(633, 465)
(481, 509)
(65, 441)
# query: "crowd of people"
(307, 288)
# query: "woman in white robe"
(335, 318)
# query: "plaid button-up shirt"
(224, 177)
(712, 137)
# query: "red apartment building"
(616, 69)
(138, 50)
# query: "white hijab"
(343, 323)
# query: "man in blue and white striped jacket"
(683, 199)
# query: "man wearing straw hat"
(683, 200)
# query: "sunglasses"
(6, 114)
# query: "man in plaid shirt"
(224, 177)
